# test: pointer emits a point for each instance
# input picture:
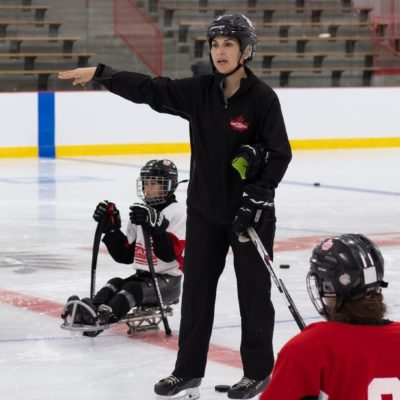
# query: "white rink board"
(340, 112)
(19, 119)
(99, 117)
(103, 118)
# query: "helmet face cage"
(163, 193)
(238, 26)
(162, 173)
(314, 292)
(349, 266)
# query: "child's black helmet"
(162, 172)
(348, 266)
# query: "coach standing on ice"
(226, 110)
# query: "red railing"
(385, 26)
(380, 7)
(386, 42)
(140, 34)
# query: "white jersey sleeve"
(175, 213)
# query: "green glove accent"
(241, 165)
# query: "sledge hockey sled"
(138, 319)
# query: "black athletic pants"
(140, 291)
(207, 245)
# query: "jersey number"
(384, 389)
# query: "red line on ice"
(216, 353)
(219, 354)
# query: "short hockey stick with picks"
(149, 255)
(95, 253)
(96, 246)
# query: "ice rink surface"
(46, 236)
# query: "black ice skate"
(89, 316)
(81, 316)
(71, 311)
(178, 388)
(106, 314)
(247, 388)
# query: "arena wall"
(100, 123)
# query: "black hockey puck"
(284, 266)
(317, 184)
(222, 388)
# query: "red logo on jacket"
(239, 124)
(141, 257)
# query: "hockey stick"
(278, 282)
(149, 256)
(96, 247)
(96, 244)
(95, 253)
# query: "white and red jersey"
(338, 361)
(175, 213)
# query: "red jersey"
(338, 361)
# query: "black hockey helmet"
(348, 266)
(158, 171)
(238, 26)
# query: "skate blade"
(187, 394)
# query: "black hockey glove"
(149, 218)
(256, 202)
(109, 211)
(250, 160)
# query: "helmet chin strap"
(215, 71)
(232, 72)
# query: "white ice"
(46, 234)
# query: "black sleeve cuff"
(104, 72)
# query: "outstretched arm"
(160, 93)
(80, 76)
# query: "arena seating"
(32, 47)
